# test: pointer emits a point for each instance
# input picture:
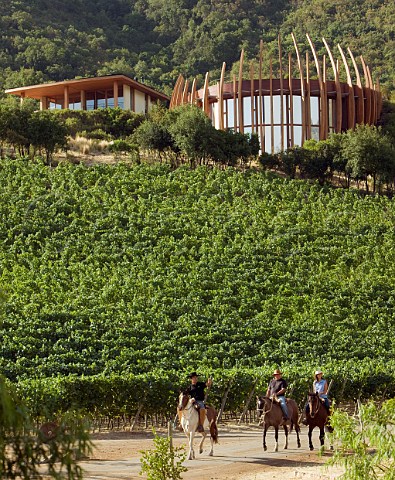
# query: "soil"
(238, 456)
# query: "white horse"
(189, 419)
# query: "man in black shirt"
(196, 391)
(277, 388)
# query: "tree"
(47, 132)
(369, 153)
(366, 444)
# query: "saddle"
(211, 413)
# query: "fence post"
(248, 401)
(224, 398)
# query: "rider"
(277, 388)
(320, 386)
(196, 391)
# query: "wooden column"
(115, 94)
(240, 94)
(338, 123)
(280, 55)
(174, 94)
(351, 100)
(184, 100)
(325, 98)
(221, 97)
(359, 91)
(22, 98)
(291, 104)
(302, 88)
(83, 99)
(373, 97)
(66, 100)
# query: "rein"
(318, 406)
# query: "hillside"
(155, 40)
(136, 270)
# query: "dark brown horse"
(272, 416)
(317, 416)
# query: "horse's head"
(314, 403)
(262, 405)
(183, 400)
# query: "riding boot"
(202, 417)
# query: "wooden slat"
(322, 93)
(240, 93)
(350, 100)
(359, 90)
(325, 99)
(179, 91)
(234, 103)
(338, 124)
(261, 129)
(252, 95)
(174, 93)
(308, 99)
(280, 55)
(271, 105)
(185, 93)
(291, 105)
(221, 97)
(302, 88)
(373, 101)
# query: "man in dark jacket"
(196, 391)
(277, 389)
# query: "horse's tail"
(214, 431)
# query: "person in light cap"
(320, 386)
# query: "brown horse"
(317, 416)
(271, 415)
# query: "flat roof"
(55, 89)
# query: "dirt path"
(238, 456)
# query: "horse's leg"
(201, 442)
(276, 439)
(309, 435)
(322, 437)
(211, 453)
(297, 430)
(264, 437)
(286, 437)
(191, 450)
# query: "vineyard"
(119, 280)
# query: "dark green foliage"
(121, 279)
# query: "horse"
(271, 415)
(317, 416)
(189, 419)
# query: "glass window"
(297, 109)
(298, 135)
(315, 133)
(267, 113)
(231, 112)
(315, 110)
(247, 110)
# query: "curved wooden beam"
(368, 105)
(234, 104)
(374, 101)
(360, 96)
(185, 93)
(193, 97)
(221, 97)
(280, 55)
(302, 89)
(291, 103)
(252, 96)
(325, 99)
(271, 106)
(322, 92)
(338, 126)
(206, 106)
(351, 99)
(240, 93)
(174, 94)
(308, 101)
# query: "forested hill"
(155, 40)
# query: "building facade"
(92, 93)
(285, 111)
